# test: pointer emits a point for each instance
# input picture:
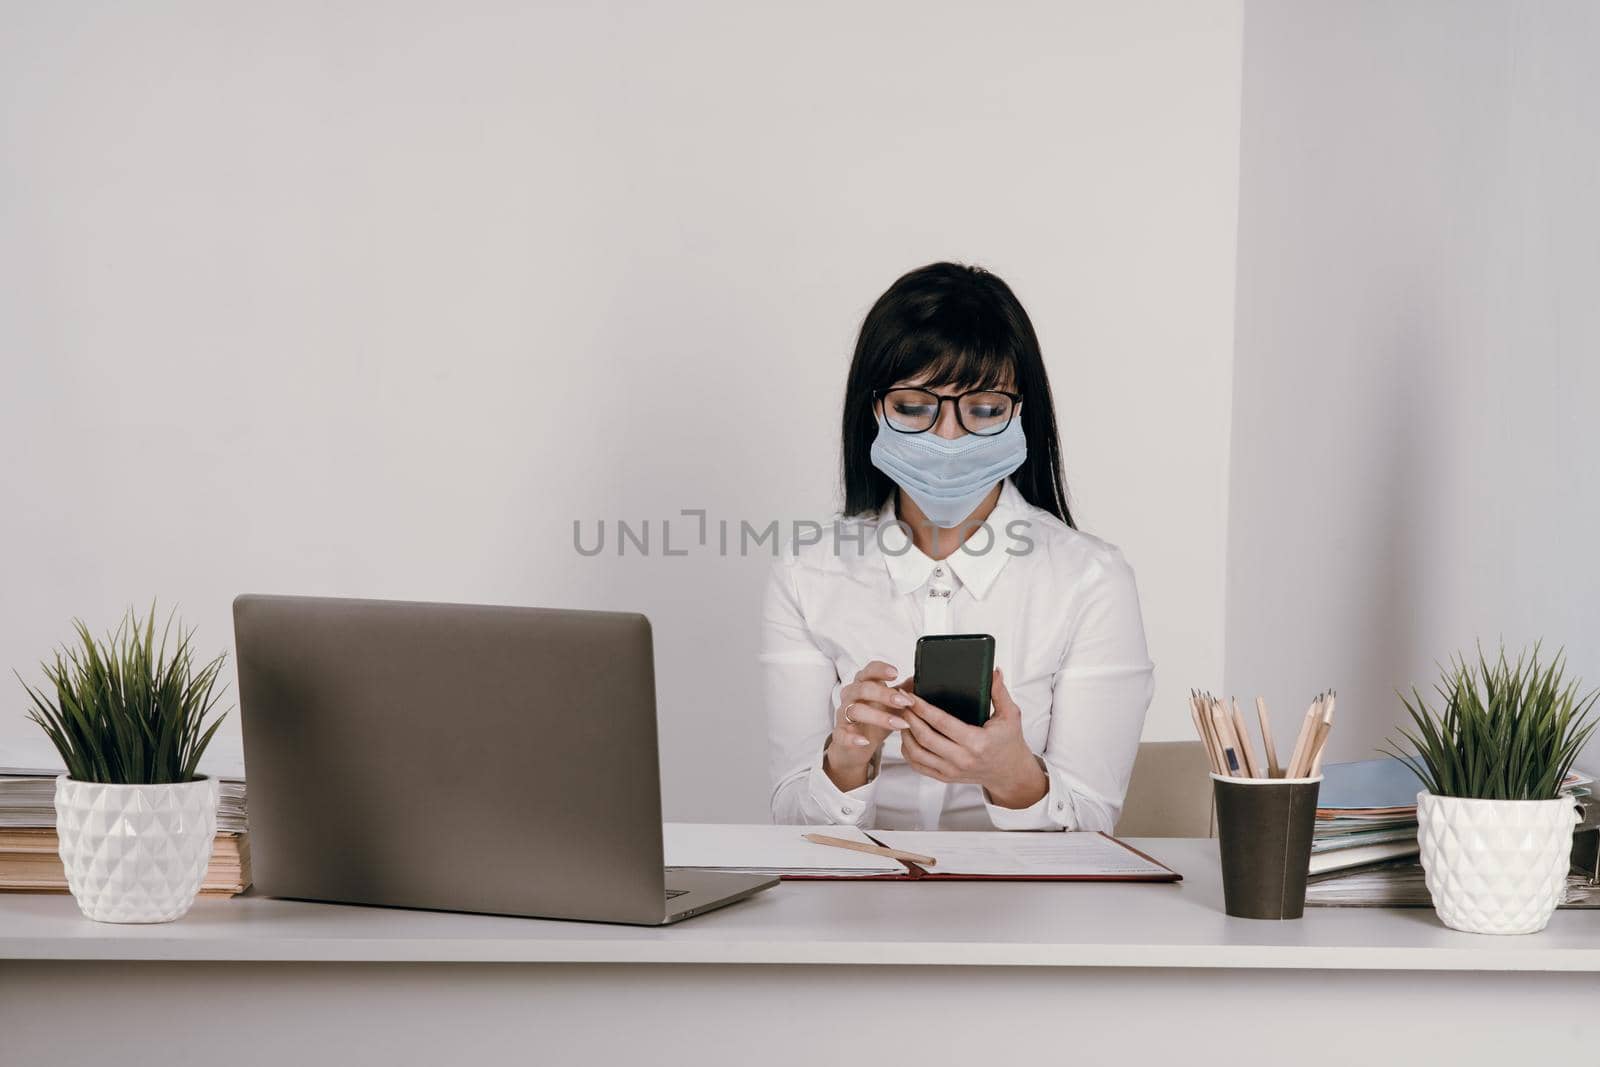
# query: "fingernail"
(859, 741)
(899, 723)
(901, 700)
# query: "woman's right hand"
(870, 709)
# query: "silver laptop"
(487, 759)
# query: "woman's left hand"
(993, 755)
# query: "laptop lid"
(471, 758)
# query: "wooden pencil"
(1246, 749)
(1313, 714)
(1327, 724)
(1319, 737)
(1230, 747)
(876, 850)
(1273, 770)
(1217, 743)
(1205, 735)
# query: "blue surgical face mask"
(947, 478)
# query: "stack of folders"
(1403, 884)
(29, 859)
(1364, 848)
(1366, 813)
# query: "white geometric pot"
(135, 853)
(1495, 866)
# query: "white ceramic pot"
(135, 853)
(1495, 866)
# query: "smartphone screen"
(953, 673)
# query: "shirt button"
(847, 809)
(1061, 805)
(938, 572)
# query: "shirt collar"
(909, 569)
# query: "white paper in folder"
(780, 850)
(1003, 854)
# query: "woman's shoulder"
(1068, 552)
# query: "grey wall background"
(1417, 370)
(375, 298)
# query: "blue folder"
(1371, 783)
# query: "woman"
(955, 521)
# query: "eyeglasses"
(984, 412)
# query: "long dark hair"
(965, 329)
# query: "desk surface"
(939, 923)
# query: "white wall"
(1414, 451)
(377, 298)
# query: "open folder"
(957, 855)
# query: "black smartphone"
(953, 672)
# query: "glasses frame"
(1016, 399)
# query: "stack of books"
(1366, 814)
(31, 863)
(29, 857)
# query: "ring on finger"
(847, 717)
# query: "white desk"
(1083, 973)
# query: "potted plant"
(1494, 826)
(134, 820)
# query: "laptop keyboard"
(675, 893)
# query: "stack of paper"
(776, 850)
(28, 801)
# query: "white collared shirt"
(1069, 641)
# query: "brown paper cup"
(1264, 835)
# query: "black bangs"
(950, 326)
(938, 361)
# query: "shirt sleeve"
(1097, 710)
(801, 688)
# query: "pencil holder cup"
(1264, 835)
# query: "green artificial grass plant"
(123, 710)
(1507, 731)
